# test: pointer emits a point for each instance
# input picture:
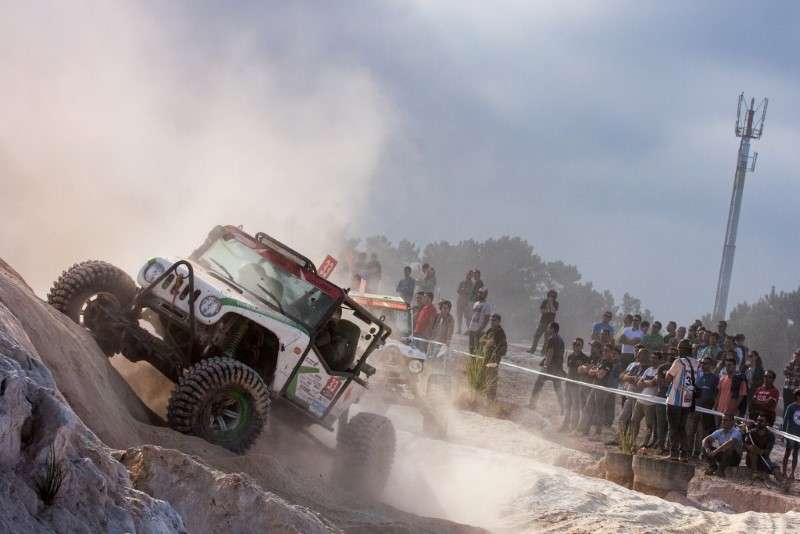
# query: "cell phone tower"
(747, 127)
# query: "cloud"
(127, 132)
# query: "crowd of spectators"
(689, 367)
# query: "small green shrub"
(626, 442)
(50, 482)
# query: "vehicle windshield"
(263, 275)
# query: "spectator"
(477, 285)
(665, 362)
(741, 343)
(723, 447)
(493, 347)
(575, 360)
(424, 318)
(791, 425)
(754, 370)
(444, 324)
(360, 266)
(791, 381)
(681, 334)
(758, 442)
(593, 414)
(729, 345)
(626, 322)
(631, 335)
(671, 332)
(427, 282)
(765, 399)
(704, 348)
(647, 384)
(732, 387)
(603, 326)
(680, 399)
(374, 273)
(553, 364)
(481, 311)
(698, 424)
(722, 331)
(405, 287)
(548, 309)
(464, 302)
(629, 381)
(654, 341)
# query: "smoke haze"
(128, 132)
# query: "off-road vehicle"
(409, 372)
(242, 321)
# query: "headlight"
(153, 271)
(210, 306)
(415, 366)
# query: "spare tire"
(365, 454)
(87, 291)
(221, 400)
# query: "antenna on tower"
(747, 127)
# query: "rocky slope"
(57, 389)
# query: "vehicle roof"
(284, 256)
(385, 301)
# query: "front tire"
(88, 292)
(222, 401)
(365, 454)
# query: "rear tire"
(365, 454)
(80, 290)
(222, 401)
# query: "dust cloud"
(129, 129)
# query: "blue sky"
(602, 132)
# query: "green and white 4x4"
(242, 321)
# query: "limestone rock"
(97, 494)
(212, 501)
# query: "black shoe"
(531, 351)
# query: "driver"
(336, 348)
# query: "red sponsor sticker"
(327, 266)
(331, 388)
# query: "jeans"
(729, 458)
(540, 331)
(474, 341)
(698, 427)
(593, 414)
(646, 412)
(676, 429)
(573, 408)
(537, 388)
(624, 421)
(661, 426)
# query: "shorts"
(792, 445)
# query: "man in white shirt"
(631, 335)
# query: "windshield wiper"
(224, 270)
(272, 296)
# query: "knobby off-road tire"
(365, 453)
(222, 401)
(83, 283)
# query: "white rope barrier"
(632, 394)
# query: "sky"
(601, 132)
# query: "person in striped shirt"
(681, 378)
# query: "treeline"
(517, 279)
(772, 326)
